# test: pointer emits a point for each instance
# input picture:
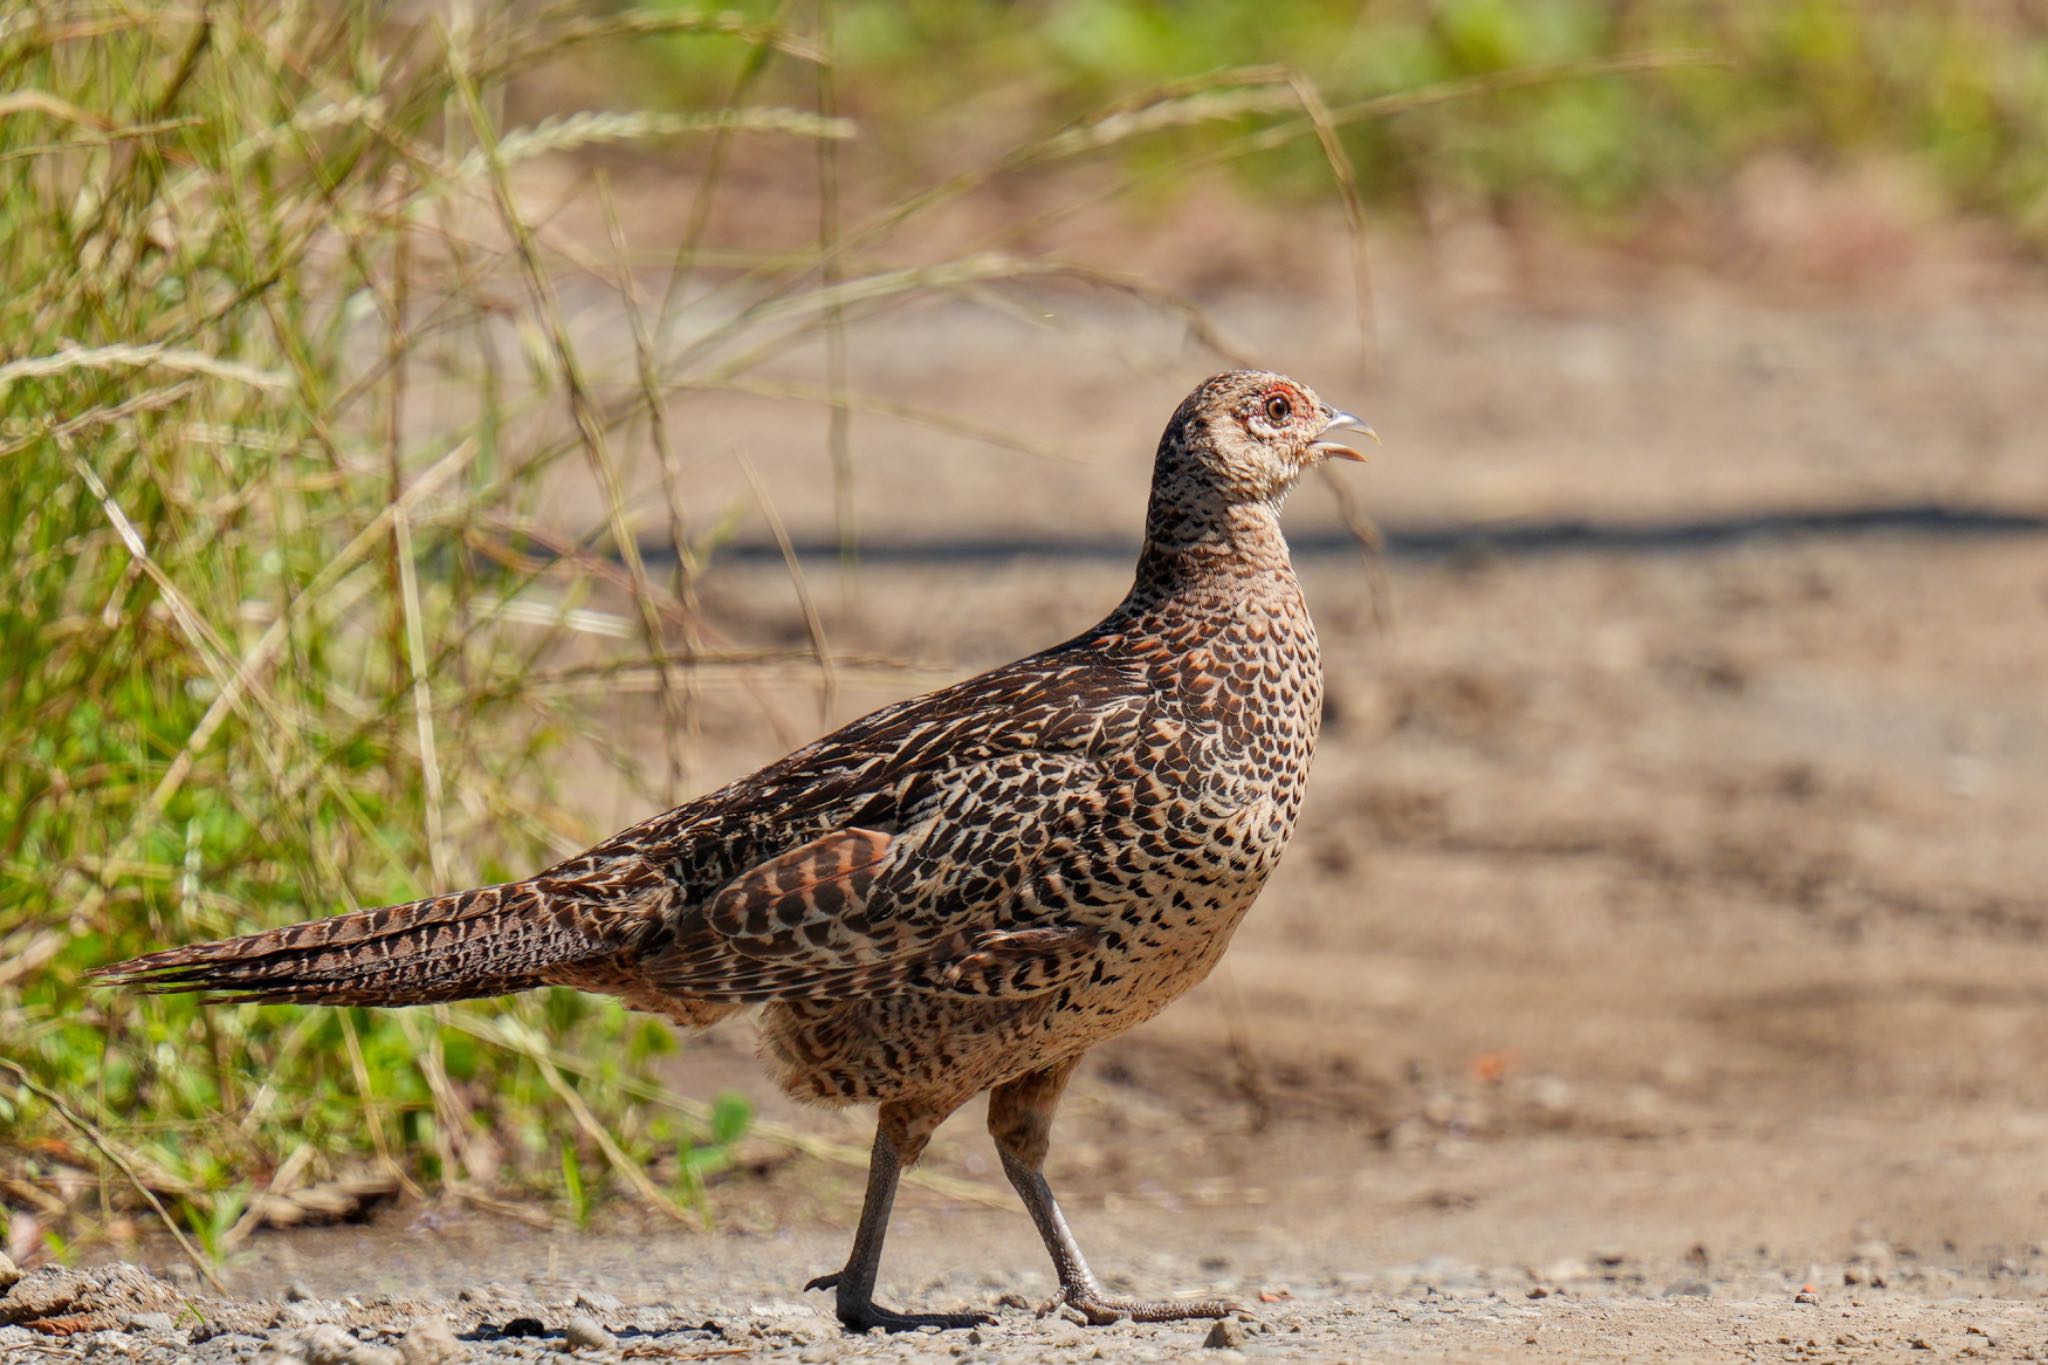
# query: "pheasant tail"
(490, 941)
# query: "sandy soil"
(1659, 971)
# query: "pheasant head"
(1235, 447)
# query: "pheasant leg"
(900, 1136)
(1020, 1119)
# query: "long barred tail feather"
(490, 941)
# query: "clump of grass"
(274, 606)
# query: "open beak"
(1325, 448)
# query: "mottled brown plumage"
(961, 892)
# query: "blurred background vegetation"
(285, 373)
(1959, 88)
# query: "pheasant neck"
(1192, 543)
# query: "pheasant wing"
(964, 900)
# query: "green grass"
(277, 631)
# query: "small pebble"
(323, 1345)
(9, 1272)
(150, 1324)
(327, 1344)
(296, 1292)
(431, 1342)
(1228, 1332)
(582, 1332)
(1688, 1289)
(804, 1330)
(598, 1303)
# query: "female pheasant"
(961, 892)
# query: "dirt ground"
(1659, 971)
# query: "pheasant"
(958, 893)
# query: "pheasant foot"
(861, 1315)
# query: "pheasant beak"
(1325, 448)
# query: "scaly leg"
(901, 1132)
(1020, 1119)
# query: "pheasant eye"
(1278, 409)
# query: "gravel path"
(1442, 1310)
